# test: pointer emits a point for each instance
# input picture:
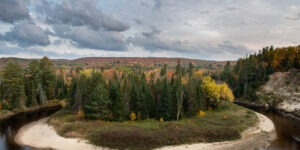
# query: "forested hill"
(148, 62)
(253, 71)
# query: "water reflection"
(287, 130)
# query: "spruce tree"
(117, 103)
(97, 104)
(13, 85)
(48, 77)
(164, 103)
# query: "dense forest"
(138, 96)
(251, 72)
(135, 93)
(32, 86)
(114, 95)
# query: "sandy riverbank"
(254, 138)
(40, 135)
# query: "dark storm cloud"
(84, 37)
(80, 13)
(26, 34)
(13, 10)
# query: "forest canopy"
(251, 72)
(109, 94)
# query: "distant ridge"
(92, 61)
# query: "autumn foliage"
(251, 72)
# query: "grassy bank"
(225, 123)
(6, 114)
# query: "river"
(287, 129)
(9, 128)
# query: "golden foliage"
(226, 93)
(216, 92)
(132, 116)
(161, 119)
(201, 113)
(86, 72)
(211, 89)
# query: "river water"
(9, 128)
(287, 129)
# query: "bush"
(132, 116)
(201, 113)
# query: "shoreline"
(46, 135)
(263, 107)
(48, 138)
(253, 138)
(12, 114)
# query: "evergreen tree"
(61, 89)
(48, 77)
(97, 105)
(192, 101)
(13, 85)
(117, 103)
(164, 103)
(134, 99)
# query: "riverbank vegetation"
(27, 88)
(251, 72)
(226, 122)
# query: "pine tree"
(13, 85)
(97, 105)
(192, 102)
(61, 89)
(164, 103)
(134, 99)
(32, 81)
(117, 103)
(48, 77)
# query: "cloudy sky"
(204, 29)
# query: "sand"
(40, 135)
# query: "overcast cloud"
(215, 29)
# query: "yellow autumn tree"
(216, 92)
(226, 93)
(132, 116)
(211, 90)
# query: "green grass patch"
(225, 123)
